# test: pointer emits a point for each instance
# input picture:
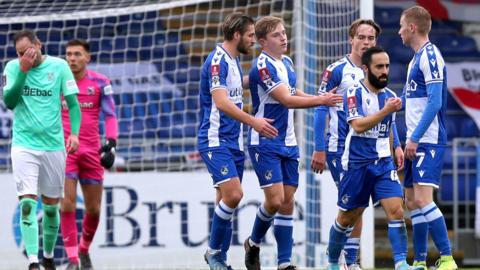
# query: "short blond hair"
(266, 25)
(420, 17)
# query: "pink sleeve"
(108, 109)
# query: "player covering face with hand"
(33, 87)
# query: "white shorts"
(39, 172)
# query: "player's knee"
(410, 204)
(346, 220)
(395, 213)
(421, 202)
(50, 210)
(28, 209)
(275, 202)
(94, 211)
(233, 198)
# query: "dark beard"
(241, 48)
(375, 82)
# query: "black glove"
(107, 153)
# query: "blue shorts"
(426, 169)
(335, 166)
(223, 163)
(275, 164)
(378, 180)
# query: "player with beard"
(340, 75)
(369, 170)
(220, 134)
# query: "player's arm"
(282, 95)
(361, 122)
(107, 151)
(75, 119)
(69, 89)
(224, 104)
(319, 157)
(434, 104)
(13, 81)
(397, 147)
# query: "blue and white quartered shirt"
(220, 71)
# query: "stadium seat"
(388, 17)
(399, 53)
(469, 128)
(452, 104)
(455, 46)
(466, 187)
(397, 75)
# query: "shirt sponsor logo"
(35, 92)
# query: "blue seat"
(388, 17)
(126, 111)
(452, 104)
(126, 98)
(442, 27)
(399, 53)
(139, 110)
(464, 182)
(469, 128)
(398, 73)
(124, 126)
(455, 46)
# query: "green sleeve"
(69, 85)
(74, 112)
(14, 80)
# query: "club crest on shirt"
(90, 90)
(50, 76)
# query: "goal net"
(153, 51)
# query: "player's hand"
(393, 105)
(264, 127)
(411, 150)
(318, 161)
(72, 143)
(107, 153)
(27, 60)
(330, 99)
(399, 158)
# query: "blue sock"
(420, 235)
(263, 220)
(438, 228)
(351, 249)
(283, 231)
(221, 221)
(397, 233)
(226, 242)
(338, 235)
